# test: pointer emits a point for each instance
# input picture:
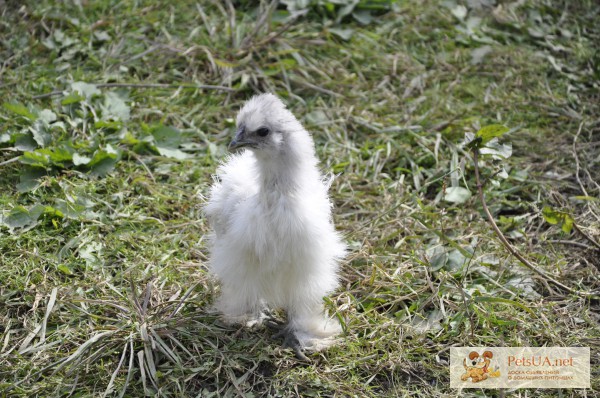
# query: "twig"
(569, 242)
(9, 161)
(232, 30)
(466, 303)
(185, 296)
(143, 53)
(143, 165)
(589, 238)
(136, 302)
(503, 239)
(145, 85)
(246, 42)
(314, 87)
(209, 29)
(577, 166)
(269, 38)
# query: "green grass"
(107, 290)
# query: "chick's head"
(263, 124)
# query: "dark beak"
(240, 140)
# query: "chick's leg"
(240, 304)
(290, 341)
(308, 329)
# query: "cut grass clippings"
(115, 115)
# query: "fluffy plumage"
(274, 244)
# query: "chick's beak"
(240, 140)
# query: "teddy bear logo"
(477, 367)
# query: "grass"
(105, 292)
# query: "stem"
(9, 161)
(505, 242)
(589, 238)
(144, 85)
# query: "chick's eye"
(262, 132)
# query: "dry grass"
(112, 300)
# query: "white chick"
(274, 245)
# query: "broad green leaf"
(85, 89)
(567, 225)
(554, 217)
(21, 218)
(317, 117)
(500, 300)
(172, 153)
(459, 11)
(80, 208)
(51, 211)
(49, 43)
(129, 139)
(103, 161)
(47, 116)
(492, 131)
(101, 35)
(346, 9)
(102, 166)
(25, 142)
(166, 137)
(65, 269)
(64, 40)
(91, 252)
(470, 141)
(438, 261)
(18, 217)
(59, 155)
(551, 216)
(114, 107)
(30, 179)
(363, 17)
(45, 157)
(60, 125)
(294, 5)
(344, 34)
(40, 133)
(80, 159)
(431, 323)
(72, 98)
(458, 195)
(456, 260)
(19, 109)
(525, 283)
(438, 257)
(36, 159)
(521, 175)
(167, 140)
(496, 150)
(479, 54)
(107, 124)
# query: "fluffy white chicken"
(274, 244)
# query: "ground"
(116, 114)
